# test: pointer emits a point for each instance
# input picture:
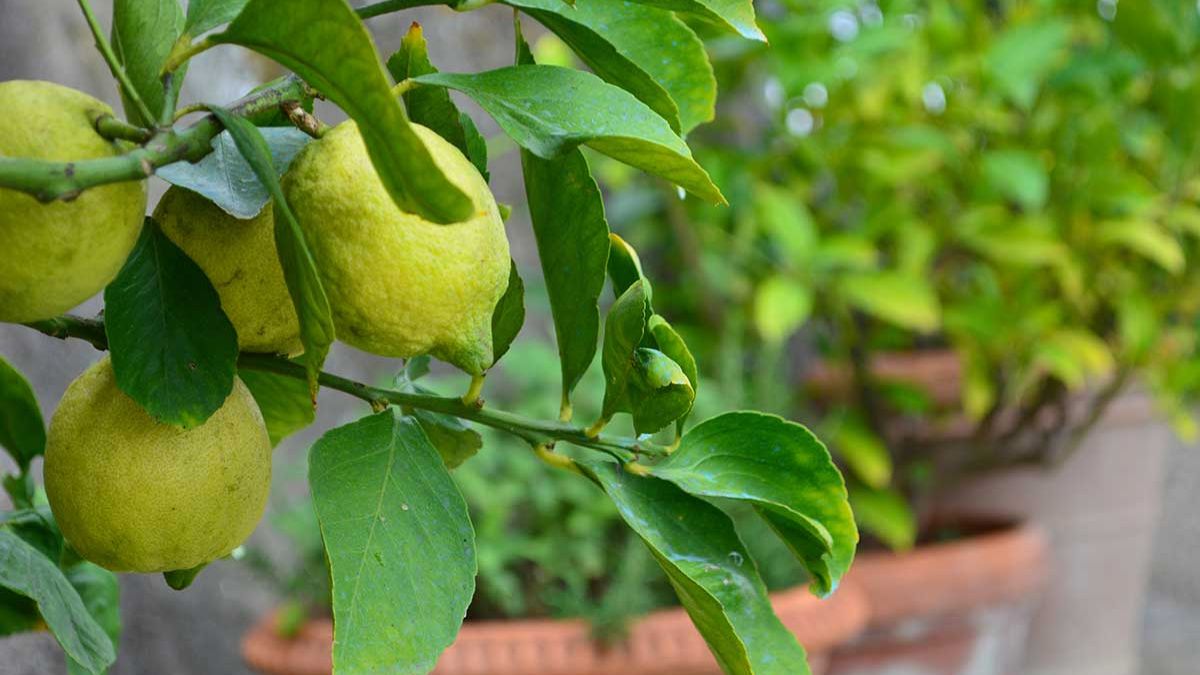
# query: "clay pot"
(662, 643)
(958, 608)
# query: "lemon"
(54, 256)
(240, 260)
(400, 285)
(134, 495)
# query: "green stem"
(389, 6)
(184, 52)
(114, 65)
(48, 180)
(113, 129)
(532, 430)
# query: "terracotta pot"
(662, 643)
(956, 608)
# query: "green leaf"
(572, 108)
(205, 15)
(567, 212)
(1021, 58)
(509, 314)
(285, 402)
(645, 51)
(670, 343)
(1147, 239)
(625, 268)
(785, 472)
(454, 441)
(101, 595)
(781, 305)
(863, 450)
(734, 15)
(299, 267)
(400, 544)
(143, 33)
(1017, 175)
(22, 431)
(325, 43)
(885, 514)
(710, 570)
(1073, 355)
(27, 572)
(623, 330)
(227, 180)
(905, 300)
(18, 614)
(173, 350)
(659, 393)
(431, 106)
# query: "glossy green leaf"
(670, 343)
(885, 514)
(22, 431)
(27, 572)
(173, 350)
(905, 300)
(567, 212)
(659, 392)
(785, 472)
(324, 42)
(645, 51)
(205, 15)
(400, 545)
(509, 314)
(781, 305)
(101, 595)
(623, 330)
(227, 180)
(710, 570)
(299, 267)
(734, 15)
(143, 32)
(285, 402)
(431, 106)
(572, 108)
(625, 268)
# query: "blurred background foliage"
(1003, 193)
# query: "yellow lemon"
(240, 260)
(54, 256)
(134, 495)
(400, 285)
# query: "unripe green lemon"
(54, 256)
(240, 260)
(134, 495)
(398, 284)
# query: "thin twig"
(110, 57)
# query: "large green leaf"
(400, 545)
(431, 106)
(226, 178)
(204, 15)
(509, 314)
(735, 15)
(571, 231)
(101, 595)
(325, 43)
(785, 472)
(22, 431)
(708, 566)
(623, 330)
(285, 402)
(143, 32)
(299, 267)
(27, 572)
(173, 350)
(550, 110)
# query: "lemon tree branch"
(49, 180)
(534, 431)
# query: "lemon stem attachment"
(545, 452)
(637, 469)
(473, 391)
(597, 426)
(565, 411)
(114, 129)
(530, 429)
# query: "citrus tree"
(281, 234)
